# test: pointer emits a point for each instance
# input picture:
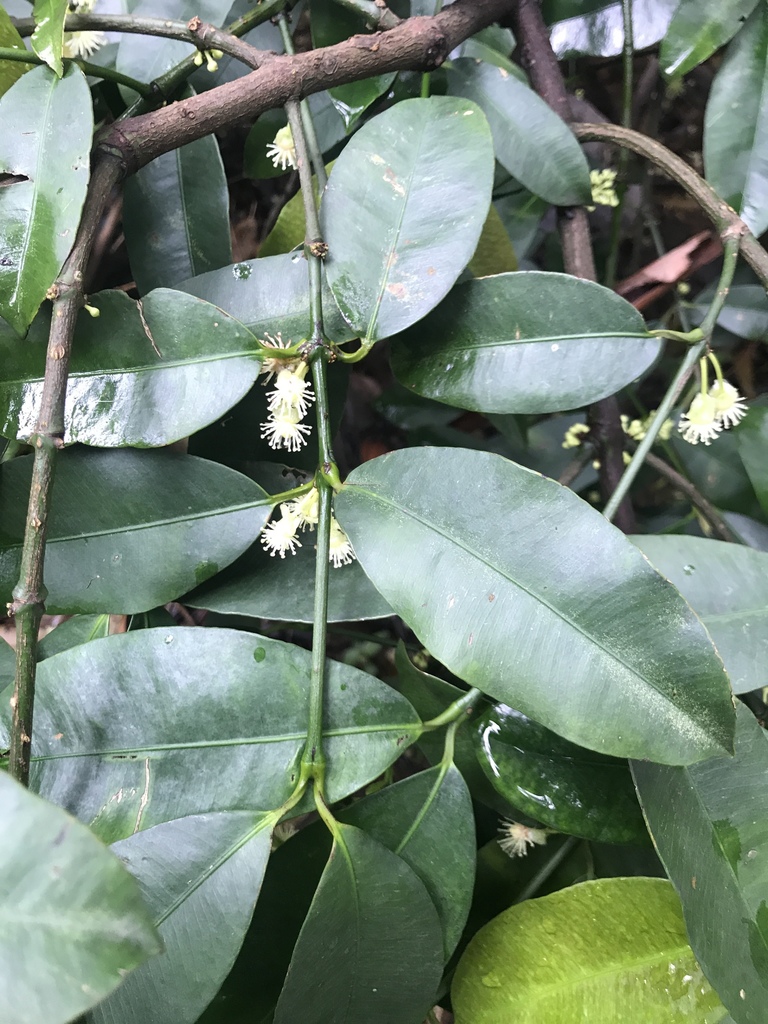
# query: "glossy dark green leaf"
(493, 45)
(260, 586)
(380, 937)
(556, 782)
(200, 876)
(521, 213)
(176, 216)
(495, 253)
(10, 70)
(698, 28)
(532, 143)
(727, 586)
(48, 37)
(334, 24)
(609, 950)
(431, 696)
(148, 57)
(228, 722)
(39, 214)
(529, 342)
(752, 438)
(404, 209)
(427, 821)
(269, 296)
(598, 30)
(556, 614)
(129, 531)
(249, 995)
(73, 921)
(141, 375)
(710, 827)
(736, 124)
(718, 472)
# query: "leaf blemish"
(391, 179)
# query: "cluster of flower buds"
(603, 188)
(289, 401)
(281, 535)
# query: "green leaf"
(404, 209)
(142, 375)
(529, 342)
(80, 629)
(333, 24)
(727, 586)
(597, 29)
(744, 314)
(609, 950)
(718, 471)
(752, 437)
(39, 214)
(556, 782)
(427, 821)
(532, 143)
(48, 37)
(559, 616)
(10, 70)
(72, 922)
(710, 828)
(260, 586)
(371, 946)
(494, 253)
(129, 531)
(200, 876)
(698, 28)
(269, 296)
(176, 216)
(228, 724)
(736, 124)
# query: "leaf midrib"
(555, 611)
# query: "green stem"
(460, 708)
(94, 70)
(310, 135)
(11, 450)
(731, 241)
(547, 870)
(628, 52)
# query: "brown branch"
(573, 225)
(418, 44)
(691, 492)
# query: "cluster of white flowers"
(281, 535)
(289, 401)
(516, 838)
(282, 151)
(79, 45)
(711, 412)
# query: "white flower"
(516, 838)
(340, 552)
(291, 392)
(701, 422)
(81, 6)
(280, 535)
(282, 150)
(729, 405)
(284, 430)
(270, 366)
(306, 508)
(82, 44)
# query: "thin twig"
(691, 492)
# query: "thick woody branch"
(573, 224)
(418, 44)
